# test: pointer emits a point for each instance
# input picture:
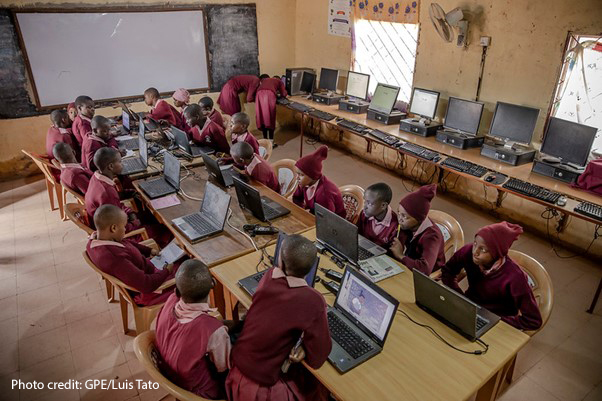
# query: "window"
(578, 95)
(386, 51)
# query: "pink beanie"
(181, 95)
(311, 164)
(418, 203)
(499, 237)
(70, 106)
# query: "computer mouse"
(490, 178)
(436, 158)
(561, 201)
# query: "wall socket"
(484, 41)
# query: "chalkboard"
(232, 39)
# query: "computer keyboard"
(590, 210)
(157, 186)
(481, 322)
(299, 107)
(129, 144)
(418, 150)
(464, 166)
(350, 125)
(198, 223)
(283, 101)
(269, 212)
(386, 138)
(322, 115)
(182, 155)
(363, 254)
(258, 277)
(344, 335)
(531, 190)
(132, 164)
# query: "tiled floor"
(56, 325)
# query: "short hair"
(262, 76)
(193, 280)
(61, 151)
(382, 191)
(57, 115)
(242, 118)
(242, 149)
(105, 156)
(81, 100)
(100, 121)
(106, 215)
(193, 110)
(152, 92)
(206, 102)
(298, 255)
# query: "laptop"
(341, 237)
(359, 321)
(168, 183)
(262, 207)
(249, 284)
(133, 116)
(133, 165)
(181, 140)
(210, 220)
(453, 309)
(223, 176)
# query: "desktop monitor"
(513, 123)
(424, 102)
(463, 115)
(569, 141)
(308, 80)
(328, 79)
(357, 85)
(384, 98)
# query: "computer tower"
(557, 171)
(418, 128)
(293, 80)
(354, 106)
(458, 140)
(327, 99)
(389, 119)
(515, 157)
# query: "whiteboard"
(111, 55)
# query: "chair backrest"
(120, 285)
(77, 214)
(353, 198)
(79, 197)
(451, 230)
(265, 148)
(540, 283)
(287, 176)
(148, 355)
(43, 164)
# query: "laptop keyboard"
(129, 144)
(258, 277)
(481, 322)
(348, 339)
(363, 254)
(158, 186)
(132, 164)
(200, 225)
(269, 212)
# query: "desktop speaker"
(556, 170)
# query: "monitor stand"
(422, 126)
(327, 98)
(352, 105)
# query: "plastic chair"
(353, 198)
(265, 148)
(287, 176)
(451, 230)
(52, 185)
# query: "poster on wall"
(339, 18)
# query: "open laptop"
(453, 309)
(181, 140)
(133, 116)
(341, 237)
(210, 220)
(249, 284)
(359, 321)
(168, 183)
(223, 176)
(262, 207)
(133, 165)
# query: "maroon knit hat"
(418, 203)
(311, 164)
(499, 237)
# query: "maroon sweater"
(55, 136)
(505, 292)
(75, 177)
(81, 127)
(245, 83)
(217, 118)
(165, 111)
(277, 317)
(101, 191)
(327, 195)
(425, 251)
(211, 135)
(274, 85)
(264, 173)
(91, 144)
(383, 238)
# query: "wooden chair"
(52, 185)
(265, 148)
(149, 357)
(287, 176)
(353, 198)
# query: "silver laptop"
(210, 220)
(168, 183)
(359, 321)
(453, 309)
(262, 207)
(181, 141)
(133, 165)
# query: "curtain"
(405, 12)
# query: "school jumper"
(265, 104)
(383, 232)
(228, 97)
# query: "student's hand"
(297, 355)
(397, 248)
(154, 252)
(123, 152)
(221, 160)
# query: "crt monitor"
(328, 79)
(513, 123)
(569, 141)
(357, 85)
(307, 82)
(424, 102)
(463, 115)
(384, 98)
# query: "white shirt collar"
(293, 282)
(104, 178)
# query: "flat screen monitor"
(424, 102)
(328, 79)
(513, 123)
(463, 115)
(308, 80)
(569, 141)
(357, 85)
(384, 98)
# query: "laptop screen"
(215, 204)
(125, 119)
(143, 149)
(337, 233)
(366, 304)
(141, 129)
(181, 139)
(171, 169)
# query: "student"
(160, 109)
(495, 281)
(60, 131)
(378, 221)
(100, 137)
(204, 131)
(284, 308)
(265, 107)
(254, 165)
(228, 97)
(72, 111)
(125, 259)
(194, 345)
(73, 175)
(314, 187)
(181, 98)
(238, 128)
(207, 109)
(82, 125)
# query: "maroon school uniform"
(325, 193)
(504, 291)
(248, 138)
(283, 308)
(82, 125)
(91, 144)
(217, 118)
(75, 177)
(380, 232)
(56, 135)
(424, 248)
(261, 171)
(211, 135)
(194, 347)
(265, 105)
(228, 97)
(101, 191)
(128, 261)
(164, 111)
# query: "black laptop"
(168, 183)
(181, 140)
(133, 165)
(223, 176)
(262, 207)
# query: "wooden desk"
(414, 365)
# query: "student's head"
(242, 153)
(194, 281)
(415, 206)
(60, 118)
(85, 106)
(181, 97)
(263, 76)
(101, 127)
(239, 123)
(151, 95)
(64, 153)
(492, 242)
(193, 115)
(309, 167)
(298, 255)
(110, 222)
(72, 110)
(377, 198)
(206, 104)
(108, 161)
